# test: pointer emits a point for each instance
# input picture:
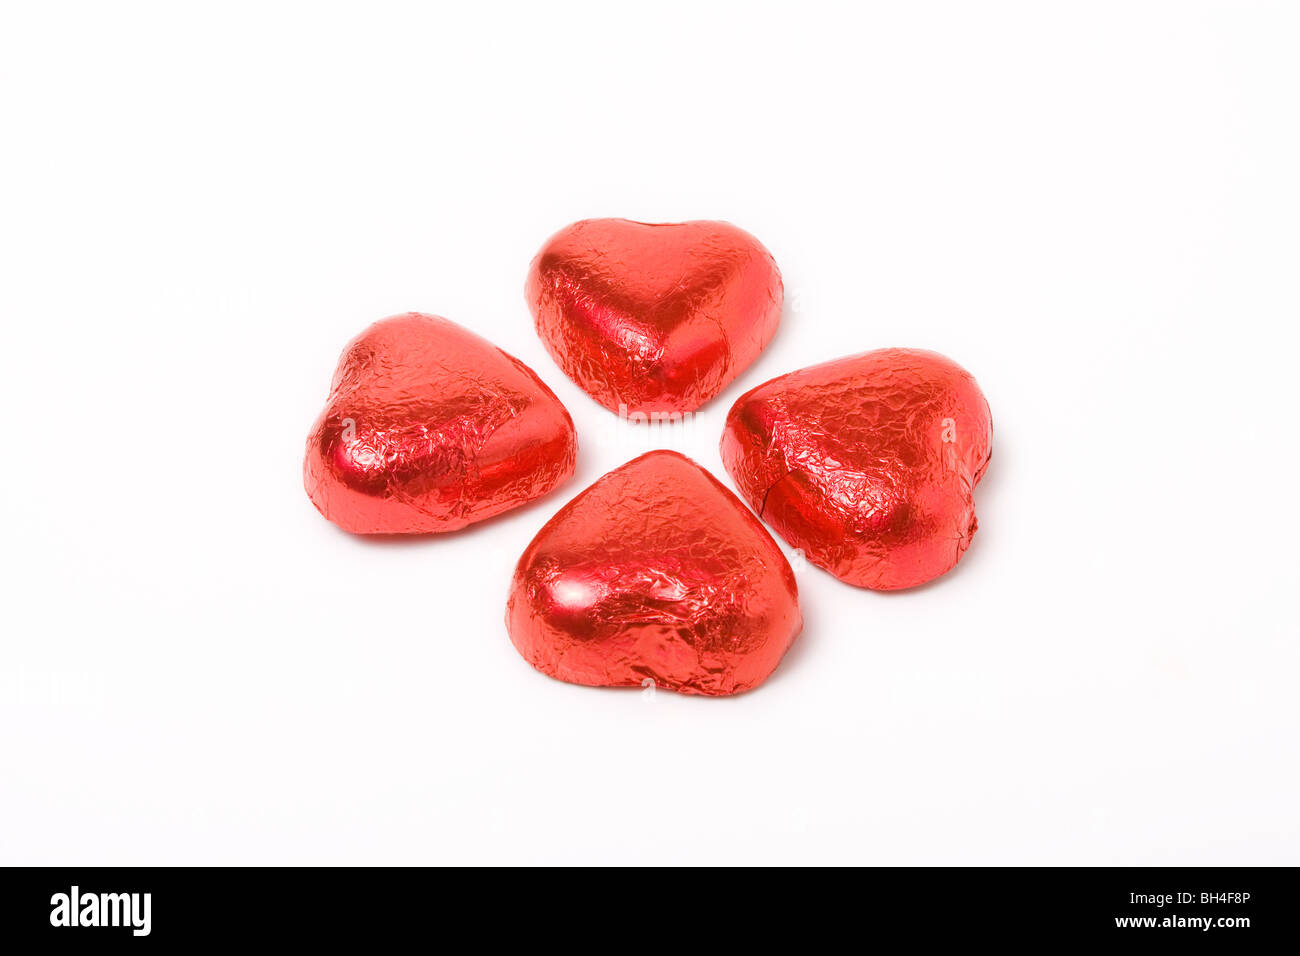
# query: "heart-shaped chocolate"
(655, 576)
(866, 463)
(654, 318)
(429, 427)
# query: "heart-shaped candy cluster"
(657, 575)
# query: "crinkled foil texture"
(656, 575)
(653, 318)
(429, 427)
(866, 463)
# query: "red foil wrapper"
(866, 463)
(655, 576)
(429, 428)
(653, 318)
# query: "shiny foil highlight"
(867, 463)
(429, 427)
(655, 576)
(653, 318)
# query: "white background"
(1093, 207)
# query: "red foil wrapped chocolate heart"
(656, 575)
(429, 428)
(654, 317)
(866, 463)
